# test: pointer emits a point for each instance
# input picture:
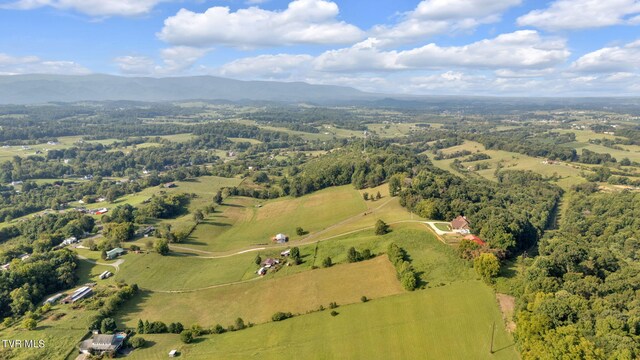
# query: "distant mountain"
(33, 89)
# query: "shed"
(114, 253)
(173, 353)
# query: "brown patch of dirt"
(507, 306)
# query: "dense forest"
(510, 215)
(580, 295)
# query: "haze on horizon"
(429, 47)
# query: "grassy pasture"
(182, 271)
(256, 301)
(241, 223)
(569, 175)
(448, 322)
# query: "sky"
(428, 47)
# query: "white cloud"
(13, 65)
(280, 66)
(179, 58)
(433, 17)
(582, 14)
(175, 61)
(610, 59)
(90, 7)
(135, 65)
(303, 22)
(524, 49)
(460, 9)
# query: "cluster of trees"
(349, 166)
(476, 157)
(406, 273)
(354, 255)
(28, 282)
(107, 306)
(42, 233)
(580, 294)
(279, 316)
(457, 154)
(164, 206)
(520, 141)
(592, 157)
(158, 327)
(510, 215)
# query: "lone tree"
(137, 342)
(295, 255)
(487, 266)
(353, 255)
(257, 260)
(186, 336)
(29, 324)
(378, 196)
(327, 262)
(300, 231)
(381, 227)
(140, 327)
(162, 246)
(218, 198)
(365, 196)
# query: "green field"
(244, 222)
(257, 300)
(569, 173)
(182, 271)
(448, 322)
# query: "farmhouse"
(114, 253)
(80, 293)
(475, 239)
(280, 238)
(69, 241)
(102, 343)
(461, 225)
(270, 262)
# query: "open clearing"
(448, 322)
(569, 175)
(245, 222)
(256, 301)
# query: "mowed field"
(244, 222)
(257, 300)
(582, 142)
(448, 322)
(569, 175)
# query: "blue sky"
(480, 47)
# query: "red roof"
(475, 239)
